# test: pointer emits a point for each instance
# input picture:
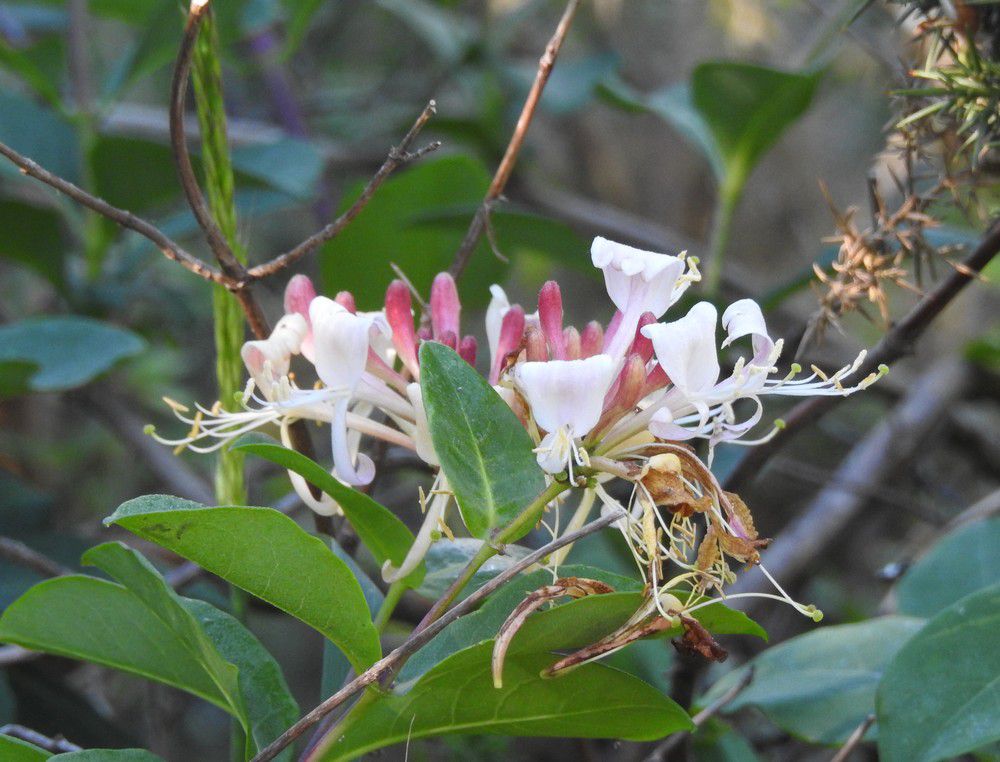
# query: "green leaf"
(84, 618)
(747, 108)
(397, 226)
(820, 686)
(940, 696)
(446, 33)
(69, 351)
(961, 563)
(446, 559)
(270, 708)
(33, 237)
(155, 48)
(733, 112)
(40, 134)
(380, 530)
(267, 554)
(107, 755)
(715, 741)
(458, 697)
(291, 166)
(16, 750)
(20, 62)
(484, 450)
(15, 377)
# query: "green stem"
(230, 487)
(721, 228)
(392, 596)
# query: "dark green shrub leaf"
(484, 450)
(940, 696)
(820, 686)
(961, 563)
(16, 750)
(108, 755)
(69, 351)
(380, 530)
(267, 554)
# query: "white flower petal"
(744, 318)
(342, 340)
(566, 393)
(686, 350)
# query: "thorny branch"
(481, 221)
(894, 345)
(418, 639)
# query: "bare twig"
(875, 459)
(398, 156)
(660, 752)
(418, 639)
(18, 553)
(481, 221)
(855, 738)
(894, 345)
(178, 142)
(126, 219)
(57, 745)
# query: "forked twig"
(481, 221)
(419, 638)
(398, 156)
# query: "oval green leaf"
(458, 697)
(16, 750)
(820, 686)
(961, 563)
(940, 696)
(267, 554)
(388, 538)
(483, 448)
(69, 351)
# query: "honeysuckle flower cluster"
(614, 400)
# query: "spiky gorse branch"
(609, 402)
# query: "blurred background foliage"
(671, 125)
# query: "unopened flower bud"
(571, 338)
(399, 314)
(550, 316)
(509, 340)
(534, 343)
(346, 300)
(445, 306)
(467, 349)
(592, 339)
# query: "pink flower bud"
(346, 300)
(592, 339)
(571, 337)
(625, 393)
(511, 335)
(399, 315)
(657, 379)
(445, 306)
(612, 329)
(299, 293)
(641, 345)
(424, 334)
(467, 349)
(535, 345)
(449, 339)
(550, 315)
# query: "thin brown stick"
(398, 156)
(660, 752)
(855, 738)
(894, 345)
(418, 639)
(18, 553)
(182, 159)
(171, 250)
(481, 220)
